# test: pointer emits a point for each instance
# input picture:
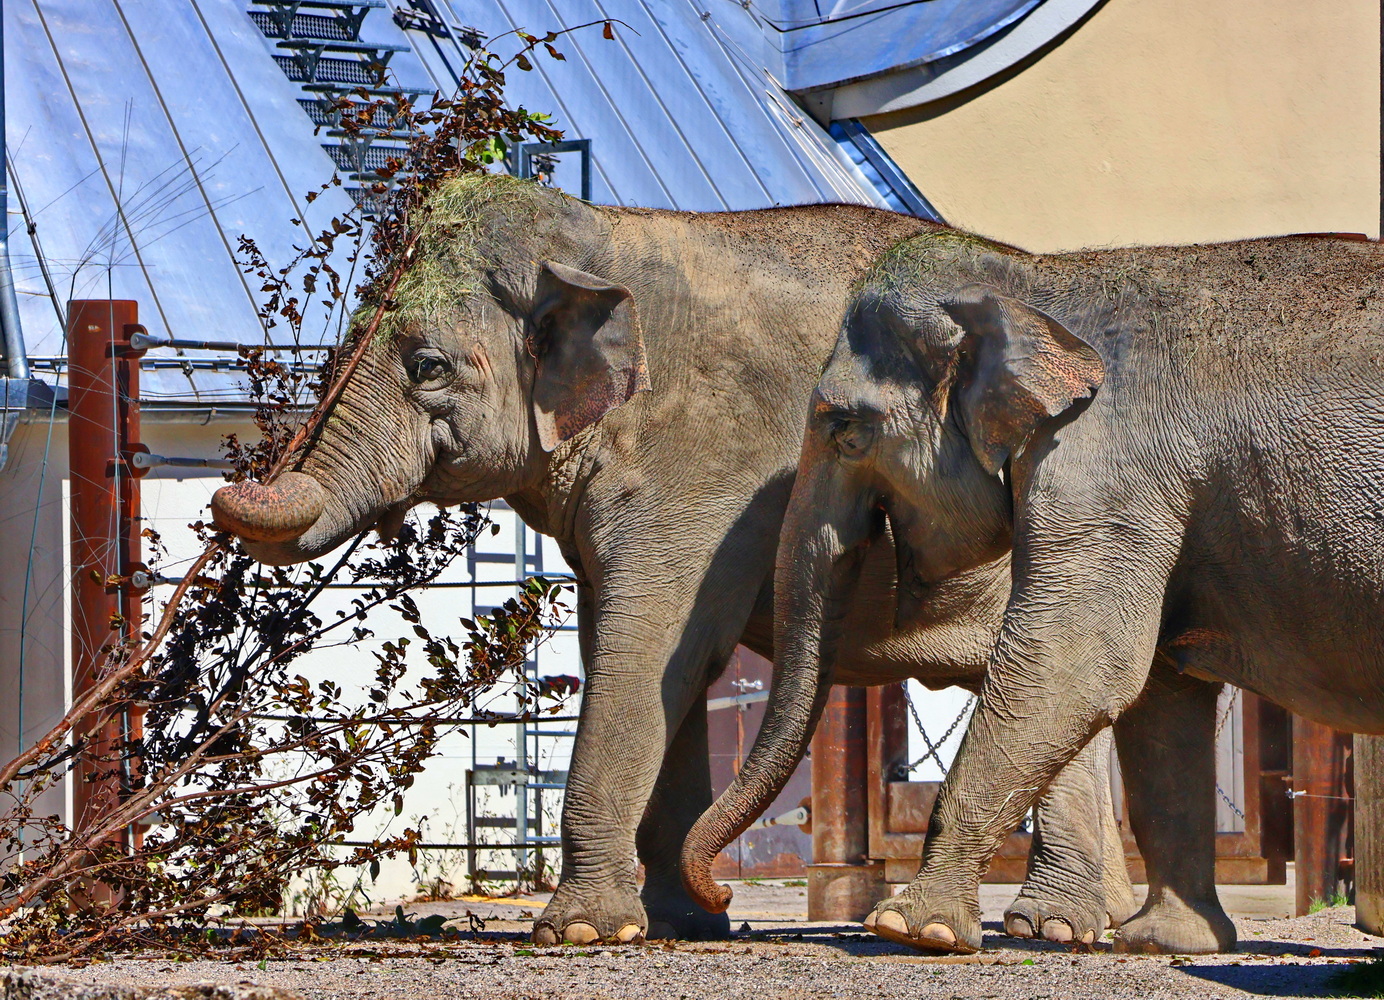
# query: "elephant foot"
(591, 915)
(1063, 922)
(1170, 926)
(1065, 903)
(1119, 894)
(928, 924)
(673, 916)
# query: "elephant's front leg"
(1077, 883)
(615, 761)
(1072, 654)
(682, 794)
(647, 666)
(1167, 756)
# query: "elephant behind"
(1184, 449)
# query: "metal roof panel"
(147, 137)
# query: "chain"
(1220, 725)
(932, 748)
(1226, 799)
(1225, 716)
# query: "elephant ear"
(1024, 367)
(589, 351)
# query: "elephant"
(633, 383)
(1175, 452)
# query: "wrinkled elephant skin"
(633, 383)
(1182, 450)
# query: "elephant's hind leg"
(1077, 884)
(1166, 742)
(682, 794)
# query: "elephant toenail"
(1017, 925)
(628, 933)
(1089, 937)
(544, 936)
(580, 932)
(870, 919)
(1057, 930)
(891, 921)
(940, 933)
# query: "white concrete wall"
(172, 500)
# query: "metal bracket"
(16, 396)
(528, 150)
(144, 461)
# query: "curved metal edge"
(927, 83)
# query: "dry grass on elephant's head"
(466, 225)
(941, 250)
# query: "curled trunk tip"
(698, 853)
(269, 512)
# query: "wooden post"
(1321, 814)
(1369, 833)
(842, 882)
(103, 405)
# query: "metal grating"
(302, 26)
(365, 160)
(327, 54)
(348, 72)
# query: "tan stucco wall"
(1165, 121)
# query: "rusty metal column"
(1321, 813)
(103, 427)
(842, 882)
(1369, 833)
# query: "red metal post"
(1369, 834)
(842, 882)
(103, 406)
(1321, 812)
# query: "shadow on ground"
(1270, 980)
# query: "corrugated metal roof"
(830, 42)
(147, 137)
(681, 107)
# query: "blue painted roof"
(146, 138)
(683, 110)
(830, 42)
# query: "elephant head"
(500, 343)
(942, 373)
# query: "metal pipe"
(736, 701)
(524, 846)
(147, 341)
(155, 413)
(478, 720)
(146, 460)
(16, 360)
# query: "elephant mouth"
(391, 519)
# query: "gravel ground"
(775, 956)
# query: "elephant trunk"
(818, 565)
(363, 465)
(269, 512)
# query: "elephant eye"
(425, 368)
(853, 437)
